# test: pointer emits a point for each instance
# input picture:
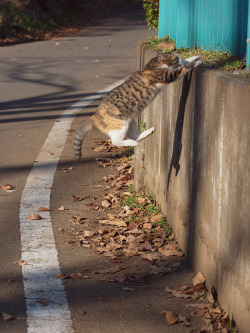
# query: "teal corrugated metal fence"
(207, 24)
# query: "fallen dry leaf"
(100, 148)
(106, 203)
(199, 278)
(147, 225)
(200, 286)
(117, 222)
(111, 270)
(159, 270)
(74, 276)
(82, 312)
(215, 311)
(43, 301)
(33, 216)
(43, 209)
(188, 291)
(178, 294)
(150, 257)
(142, 200)
(200, 313)
(198, 305)
(88, 233)
(6, 316)
(132, 225)
(111, 216)
(147, 246)
(77, 198)
(167, 252)
(184, 320)
(7, 187)
(79, 218)
(210, 297)
(156, 217)
(20, 262)
(66, 170)
(61, 208)
(171, 318)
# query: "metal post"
(248, 37)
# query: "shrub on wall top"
(151, 8)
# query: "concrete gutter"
(196, 164)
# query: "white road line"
(47, 306)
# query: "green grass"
(146, 208)
(142, 127)
(131, 200)
(151, 209)
(233, 64)
(165, 226)
(129, 152)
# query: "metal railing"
(207, 24)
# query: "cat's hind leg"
(191, 59)
(145, 133)
(135, 135)
(117, 138)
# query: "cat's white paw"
(198, 63)
(189, 60)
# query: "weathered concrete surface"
(196, 164)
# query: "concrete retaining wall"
(196, 164)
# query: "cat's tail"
(80, 135)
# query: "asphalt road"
(40, 84)
(38, 81)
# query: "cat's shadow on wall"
(177, 146)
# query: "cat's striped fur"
(116, 113)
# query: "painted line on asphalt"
(46, 302)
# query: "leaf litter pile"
(132, 225)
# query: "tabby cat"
(115, 115)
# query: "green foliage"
(154, 42)
(234, 64)
(32, 18)
(15, 20)
(151, 209)
(146, 208)
(128, 152)
(132, 199)
(164, 225)
(151, 8)
(143, 127)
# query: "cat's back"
(132, 95)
